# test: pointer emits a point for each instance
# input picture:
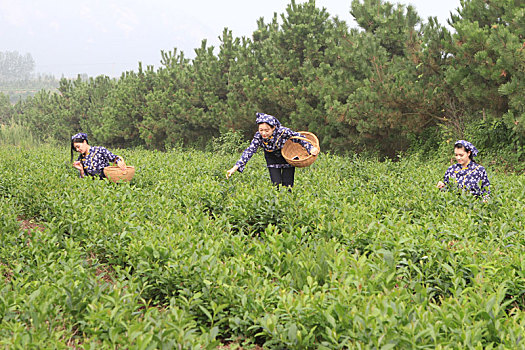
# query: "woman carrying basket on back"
(272, 137)
(92, 159)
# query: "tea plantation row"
(361, 254)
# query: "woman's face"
(266, 130)
(81, 147)
(462, 156)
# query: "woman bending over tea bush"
(92, 159)
(466, 173)
(272, 137)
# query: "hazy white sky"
(67, 37)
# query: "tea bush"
(361, 254)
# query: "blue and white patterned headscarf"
(268, 119)
(80, 135)
(468, 146)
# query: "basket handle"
(301, 138)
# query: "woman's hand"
(121, 164)
(440, 185)
(231, 171)
(77, 165)
(314, 151)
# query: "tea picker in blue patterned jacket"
(272, 136)
(92, 159)
(466, 173)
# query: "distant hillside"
(21, 89)
(18, 79)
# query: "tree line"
(393, 83)
(15, 66)
(18, 79)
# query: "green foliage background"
(362, 254)
(395, 83)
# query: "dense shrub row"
(361, 254)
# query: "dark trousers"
(282, 176)
(279, 176)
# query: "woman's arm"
(307, 145)
(485, 185)
(446, 177)
(246, 155)
(121, 164)
(113, 158)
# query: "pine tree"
(486, 69)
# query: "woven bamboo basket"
(115, 174)
(297, 155)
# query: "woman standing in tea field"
(271, 136)
(466, 173)
(92, 159)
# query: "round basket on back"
(115, 174)
(297, 155)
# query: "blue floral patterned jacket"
(280, 135)
(472, 178)
(96, 160)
